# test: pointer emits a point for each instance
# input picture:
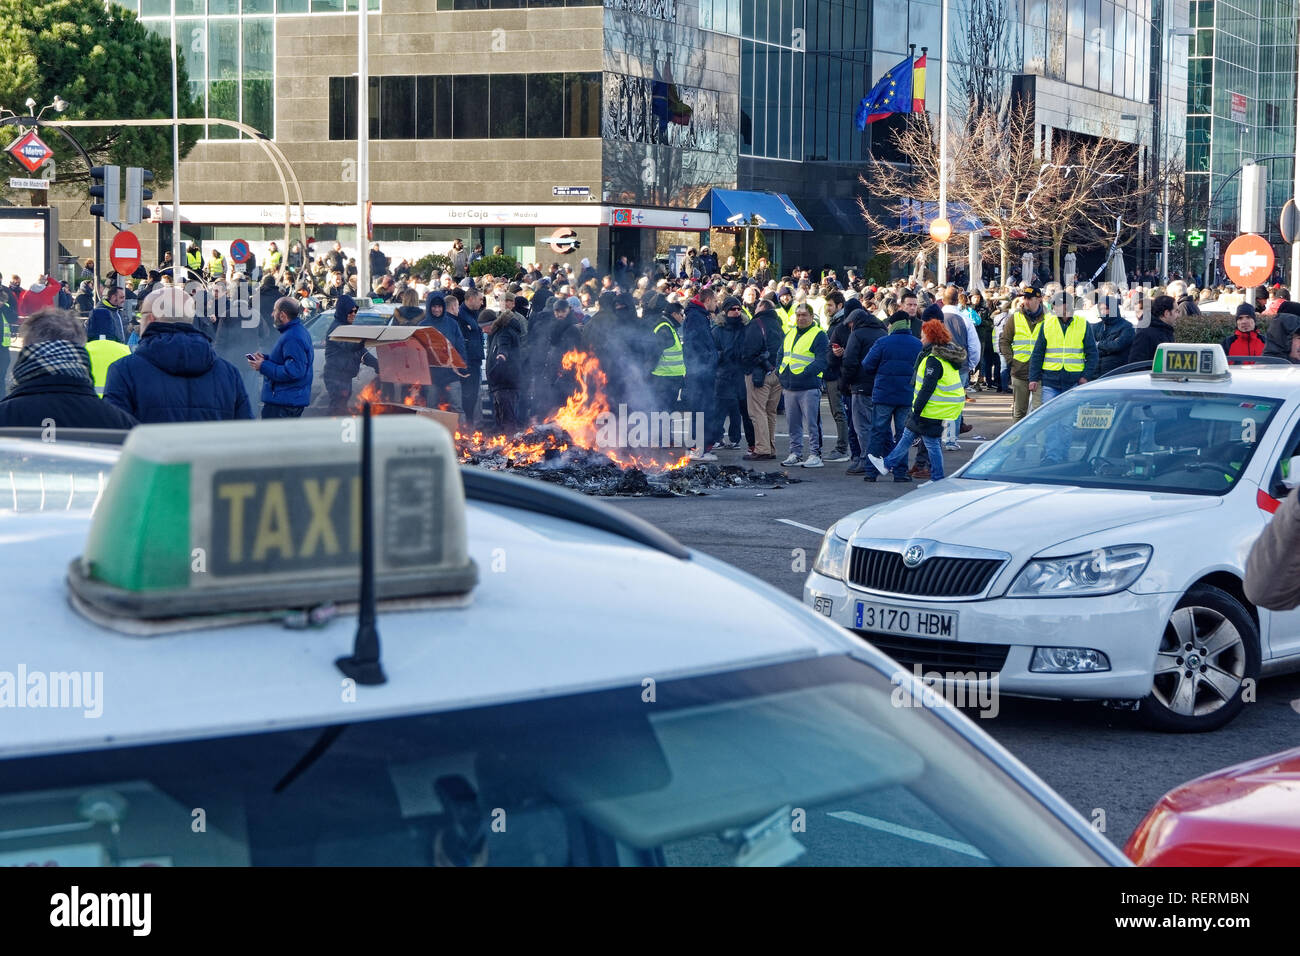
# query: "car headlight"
(1103, 571)
(832, 556)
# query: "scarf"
(52, 358)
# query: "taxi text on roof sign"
(265, 515)
(1185, 362)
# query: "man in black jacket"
(52, 383)
(343, 360)
(1160, 330)
(865, 330)
(730, 398)
(1114, 337)
(764, 351)
(1282, 327)
(836, 395)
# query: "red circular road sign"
(239, 251)
(124, 253)
(1248, 260)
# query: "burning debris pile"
(579, 448)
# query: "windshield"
(318, 325)
(1172, 441)
(805, 763)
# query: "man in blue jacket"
(107, 318)
(287, 371)
(892, 360)
(446, 381)
(466, 317)
(807, 355)
(175, 375)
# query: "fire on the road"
(574, 428)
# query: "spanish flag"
(918, 85)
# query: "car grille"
(935, 577)
(940, 655)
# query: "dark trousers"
(4, 368)
(340, 396)
(505, 408)
(666, 388)
(698, 398)
(847, 401)
(732, 405)
(887, 426)
(270, 410)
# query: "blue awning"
(775, 209)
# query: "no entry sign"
(124, 253)
(1248, 260)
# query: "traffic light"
(1195, 238)
(136, 194)
(106, 187)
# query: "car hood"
(984, 514)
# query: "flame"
(578, 420)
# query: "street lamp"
(1170, 33)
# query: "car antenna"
(363, 666)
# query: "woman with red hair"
(939, 397)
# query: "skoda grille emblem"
(913, 556)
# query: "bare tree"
(994, 174)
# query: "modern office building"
(1241, 104)
(635, 125)
(1100, 68)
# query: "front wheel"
(1209, 649)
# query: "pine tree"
(757, 250)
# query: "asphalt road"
(1100, 760)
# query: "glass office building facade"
(1241, 90)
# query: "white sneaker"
(879, 464)
(791, 459)
(951, 446)
(703, 456)
(814, 461)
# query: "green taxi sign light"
(264, 516)
(1189, 362)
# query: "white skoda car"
(1096, 549)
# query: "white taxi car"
(515, 676)
(1096, 549)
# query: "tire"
(1215, 622)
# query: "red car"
(1245, 815)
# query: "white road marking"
(920, 836)
(806, 527)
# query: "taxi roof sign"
(249, 516)
(1190, 362)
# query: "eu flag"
(893, 94)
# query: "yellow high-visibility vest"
(1022, 346)
(103, 353)
(798, 349)
(949, 396)
(1064, 346)
(672, 363)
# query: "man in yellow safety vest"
(669, 375)
(807, 356)
(103, 352)
(1064, 356)
(1019, 333)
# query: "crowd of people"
(896, 362)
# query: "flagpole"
(942, 268)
